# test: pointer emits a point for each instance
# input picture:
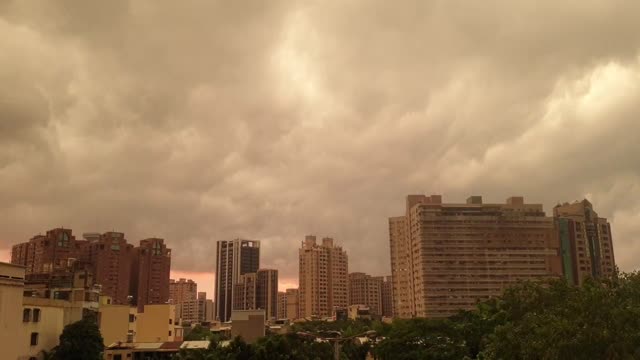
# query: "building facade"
(387, 297)
(182, 290)
(12, 339)
(282, 305)
(323, 270)
(586, 242)
(292, 297)
(267, 292)
(151, 266)
(110, 256)
(366, 290)
(446, 257)
(44, 254)
(233, 259)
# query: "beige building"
(446, 257)
(323, 271)
(120, 323)
(292, 297)
(586, 242)
(43, 320)
(387, 297)
(114, 321)
(282, 305)
(248, 324)
(366, 290)
(12, 340)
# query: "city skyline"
(167, 121)
(205, 280)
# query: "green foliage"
(554, 320)
(80, 341)
(198, 333)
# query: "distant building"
(366, 290)
(292, 297)
(323, 278)
(257, 291)
(446, 257)
(12, 340)
(267, 292)
(110, 256)
(248, 324)
(387, 297)
(210, 311)
(586, 242)
(44, 254)
(244, 292)
(128, 275)
(356, 312)
(282, 305)
(202, 307)
(183, 293)
(182, 290)
(233, 259)
(150, 270)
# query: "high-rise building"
(257, 291)
(202, 307)
(323, 278)
(182, 290)
(244, 292)
(267, 292)
(293, 304)
(282, 305)
(446, 257)
(387, 297)
(586, 242)
(151, 266)
(209, 310)
(233, 259)
(44, 254)
(110, 258)
(366, 290)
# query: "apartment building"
(323, 277)
(366, 290)
(447, 256)
(387, 297)
(292, 297)
(282, 305)
(233, 259)
(110, 256)
(586, 242)
(150, 269)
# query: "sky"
(198, 121)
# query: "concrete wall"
(12, 340)
(156, 323)
(114, 323)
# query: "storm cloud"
(197, 121)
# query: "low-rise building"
(12, 341)
(248, 324)
(124, 324)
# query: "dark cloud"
(206, 120)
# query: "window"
(132, 318)
(34, 338)
(117, 357)
(26, 315)
(169, 332)
(36, 315)
(170, 322)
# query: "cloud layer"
(205, 120)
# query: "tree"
(80, 340)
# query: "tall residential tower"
(233, 258)
(323, 278)
(446, 257)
